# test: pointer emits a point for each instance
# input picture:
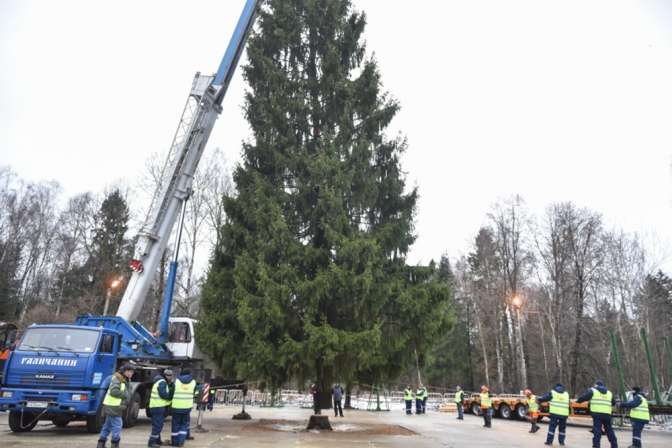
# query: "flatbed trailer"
(513, 406)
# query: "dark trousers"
(409, 407)
(418, 406)
(179, 427)
(337, 408)
(637, 427)
(424, 405)
(487, 417)
(557, 420)
(460, 411)
(158, 418)
(600, 421)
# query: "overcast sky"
(553, 100)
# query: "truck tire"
(130, 417)
(475, 409)
(22, 421)
(521, 412)
(60, 422)
(94, 423)
(505, 411)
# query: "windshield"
(59, 340)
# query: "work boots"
(101, 444)
(115, 444)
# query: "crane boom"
(198, 118)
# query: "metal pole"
(619, 368)
(107, 301)
(668, 343)
(652, 368)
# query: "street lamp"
(112, 285)
(517, 303)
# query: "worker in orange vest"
(532, 410)
(486, 406)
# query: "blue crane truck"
(61, 372)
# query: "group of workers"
(169, 396)
(420, 398)
(601, 402)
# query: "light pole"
(113, 284)
(517, 303)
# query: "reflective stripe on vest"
(486, 401)
(532, 405)
(641, 412)
(600, 403)
(559, 404)
(155, 400)
(183, 398)
(408, 394)
(114, 401)
(459, 396)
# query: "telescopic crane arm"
(198, 118)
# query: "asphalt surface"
(282, 427)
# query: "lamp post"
(517, 303)
(113, 284)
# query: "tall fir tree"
(309, 280)
(110, 249)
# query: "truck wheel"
(94, 423)
(521, 412)
(505, 411)
(60, 422)
(22, 421)
(132, 411)
(475, 409)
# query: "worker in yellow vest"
(459, 400)
(114, 404)
(486, 406)
(639, 414)
(532, 410)
(183, 401)
(159, 403)
(601, 403)
(558, 401)
(408, 399)
(420, 400)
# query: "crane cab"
(181, 340)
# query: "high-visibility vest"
(183, 398)
(419, 394)
(155, 400)
(559, 404)
(114, 401)
(641, 412)
(486, 401)
(459, 396)
(408, 394)
(532, 405)
(600, 403)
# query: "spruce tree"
(309, 280)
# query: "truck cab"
(58, 373)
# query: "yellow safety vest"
(408, 395)
(114, 401)
(183, 398)
(641, 412)
(532, 405)
(155, 400)
(459, 395)
(559, 404)
(600, 403)
(486, 401)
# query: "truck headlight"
(78, 397)
(7, 394)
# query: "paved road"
(434, 430)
